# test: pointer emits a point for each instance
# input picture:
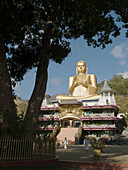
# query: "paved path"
(116, 154)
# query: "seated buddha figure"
(81, 86)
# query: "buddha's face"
(81, 67)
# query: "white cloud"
(120, 51)
(55, 81)
(17, 88)
(122, 62)
(125, 74)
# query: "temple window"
(85, 113)
(56, 123)
(107, 102)
(106, 93)
(97, 111)
(56, 113)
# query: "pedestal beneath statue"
(70, 112)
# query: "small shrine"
(95, 112)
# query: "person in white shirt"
(65, 143)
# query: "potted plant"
(98, 147)
(102, 142)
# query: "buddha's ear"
(86, 69)
(76, 70)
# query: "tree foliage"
(33, 32)
(68, 19)
(120, 84)
(14, 18)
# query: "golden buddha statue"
(81, 86)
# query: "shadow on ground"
(112, 154)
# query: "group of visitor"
(85, 142)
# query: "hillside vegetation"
(21, 105)
(120, 84)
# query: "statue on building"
(81, 86)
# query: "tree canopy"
(120, 84)
(94, 21)
(33, 32)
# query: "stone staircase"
(68, 133)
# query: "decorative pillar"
(60, 123)
(70, 123)
(81, 123)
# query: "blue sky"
(104, 63)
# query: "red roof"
(99, 118)
(99, 128)
(100, 107)
(49, 108)
(47, 128)
(47, 119)
(84, 107)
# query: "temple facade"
(96, 113)
(97, 117)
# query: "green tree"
(45, 36)
(14, 16)
(120, 84)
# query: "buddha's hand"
(84, 83)
(75, 83)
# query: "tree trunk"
(7, 105)
(31, 117)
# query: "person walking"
(86, 144)
(65, 143)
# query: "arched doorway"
(70, 122)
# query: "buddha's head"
(81, 67)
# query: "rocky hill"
(21, 105)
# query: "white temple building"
(97, 116)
